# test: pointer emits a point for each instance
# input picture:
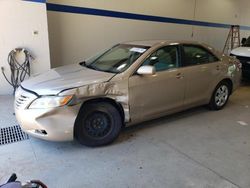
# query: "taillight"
(236, 62)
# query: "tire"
(98, 124)
(220, 96)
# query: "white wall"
(244, 15)
(18, 21)
(74, 37)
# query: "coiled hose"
(19, 71)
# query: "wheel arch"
(211, 103)
(230, 83)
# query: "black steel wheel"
(98, 124)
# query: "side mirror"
(146, 70)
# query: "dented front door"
(153, 96)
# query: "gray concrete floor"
(197, 148)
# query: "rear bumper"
(237, 81)
(56, 124)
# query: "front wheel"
(98, 124)
(220, 96)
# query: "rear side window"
(164, 58)
(196, 55)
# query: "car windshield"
(247, 43)
(117, 59)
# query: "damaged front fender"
(117, 91)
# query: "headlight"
(50, 102)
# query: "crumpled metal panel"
(118, 91)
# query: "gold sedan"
(129, 83)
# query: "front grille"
(12, 134)
(23, 98)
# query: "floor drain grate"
(12, 134)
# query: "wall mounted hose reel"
(19, 70)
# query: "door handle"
(218, 67)
(179, 76)
(204, 68)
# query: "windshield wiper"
(83, 63)
(90, 66)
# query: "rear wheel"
(98, 124)
(220, 96)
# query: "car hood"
(65, 77)
(241, 51)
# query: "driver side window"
(164, 58)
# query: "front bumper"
(54, 124)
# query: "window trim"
(179, 62)
(183, 64)
(96, 58)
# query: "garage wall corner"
(23, 25)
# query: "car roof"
(156, 42)
(151, 43)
